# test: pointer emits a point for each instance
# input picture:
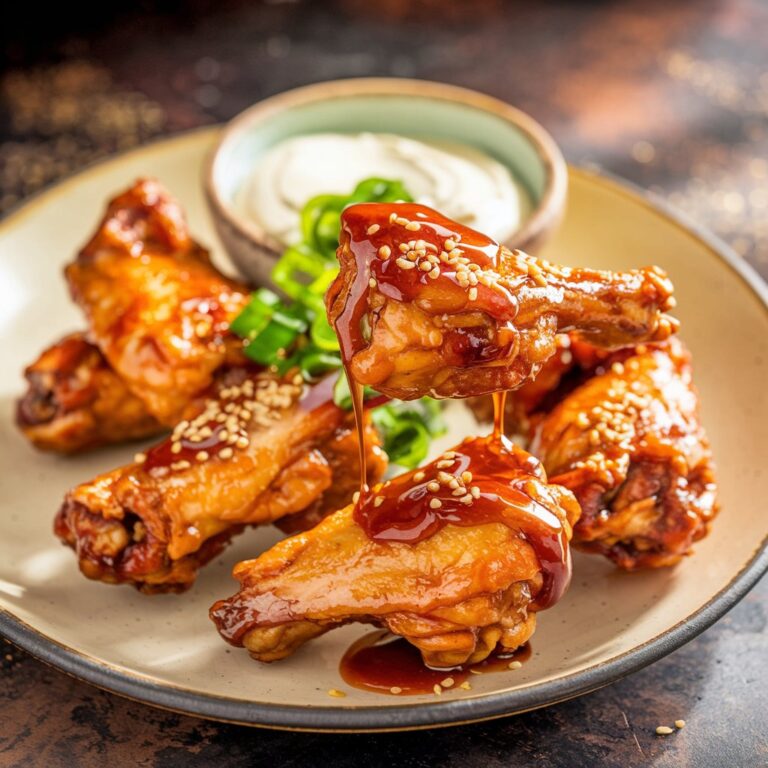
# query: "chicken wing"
(426, 306)
(75, 401)
(157, 308)
(259, 451)
(457, 557)
(629, 444)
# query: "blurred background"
(671, 95)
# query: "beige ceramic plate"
(165, 651)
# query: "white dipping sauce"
(459, 181)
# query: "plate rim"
(406, 716)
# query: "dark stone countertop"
(673, 96)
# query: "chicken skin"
(629, 443)
(426, 306)
(457, 557)
(157, 308)
(75, 401)
(260, 450)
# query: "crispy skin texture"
(154, 524)
(472, 319)
(75, 401)
(629, 443)
(157, 308)
(466, 589)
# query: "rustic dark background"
(671, 95)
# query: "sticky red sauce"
(409, 285)
(380, 661)
(404, 509)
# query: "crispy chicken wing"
(457, 557)
(75, 401)
(258, 451)
(628, 442)
(426, 306)
(157, 308)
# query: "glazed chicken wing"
(426, 306)
(76, 401)
(628, 442)
(157, 308)
(457, 557)
(257, 452)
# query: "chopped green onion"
(297, 335)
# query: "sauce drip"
(384, 663)
(499, 404)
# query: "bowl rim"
(143, 689)
(544, 214)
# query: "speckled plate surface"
(164, 650)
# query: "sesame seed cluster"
(222, 428)
(419, 254)
(614, 423)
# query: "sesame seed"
(404, 247)
(372, 282)
(449, 244)
(444, 463)
(226, 453)
(475, 491)
(183, 464)
(202, 456)
(413, 226)
(466, 499)
(466, 476)
(466, 686)
(395, 689)
(404, 263)
(202, 329)
(175, 447)
(392, 218)
(433, 487)
(373, 229)
(679, 724)
(435, 503)
(242, 442)
(664, 730)
(419, 476)
(385, 252)
(514, 665)
(140, 458)
(453, 483)
(425, 266)
(356, 497)
(378, 501)
(459, 492)
(437, 689)
(435, 273)
(444, 477)
(472, 294)
(223, 435)
(447, 683)
(336, 693)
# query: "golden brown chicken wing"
(157, 308)
(456, 557)
(628, 442)
(426, 306)
(76, 401)
(262, 449)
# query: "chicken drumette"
(629, 443)
(157, 308)
(457, 557)
(260, 451)
(76, 401)
(426, 306)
